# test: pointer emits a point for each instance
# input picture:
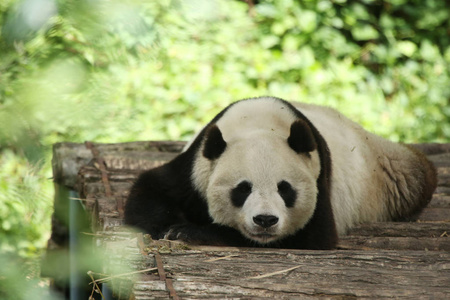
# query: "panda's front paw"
(193, 234)
(178, 232)
(210, 234)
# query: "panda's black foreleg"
(209, 234)
(153, 217)
(150, 206)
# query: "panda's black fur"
(165, 202)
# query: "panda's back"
(359, 159)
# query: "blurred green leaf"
(406, 48)
(364, 33)
(428, 51)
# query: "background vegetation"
(116, 71)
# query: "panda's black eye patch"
(287, 192)
(240, 193)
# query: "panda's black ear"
(301, 138)
(214, 144)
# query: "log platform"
(409, 260)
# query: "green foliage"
(114, 71)
(22, 198)
(160, 70)
(19, 281)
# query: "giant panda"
(269, 173)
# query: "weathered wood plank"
(205, 272)
(441, 160)
(352, 274)
(395, 243)
(68, 158)
(435, 214)
(401, 229)
(440, 200)
(398, 236)
(432, 148)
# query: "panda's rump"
(373, 179)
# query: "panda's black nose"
(265, 221)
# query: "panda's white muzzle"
(263, 228)
(260, 234)
(264, 215)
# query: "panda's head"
(257, 170)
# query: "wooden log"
(444, 180)
(440, 200)
(396, 243)
(97, 188)
(309, 274)
(435, 214)
(225, 272)
(432, 148)
(442, 190)
(90, 181)
(440, 157)
(68, 158)
(401, 229)
(441, 170)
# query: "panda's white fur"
(361, 164)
